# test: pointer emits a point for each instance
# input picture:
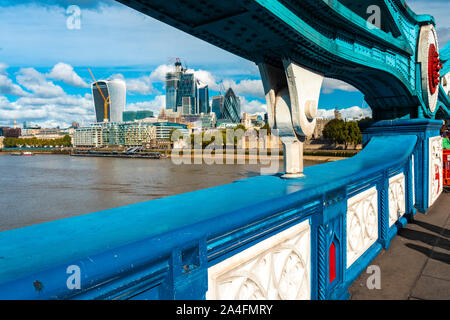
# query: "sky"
(44, 61)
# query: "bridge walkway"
(417, 264)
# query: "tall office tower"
(217, 105)
(187, 94)
(182, 91)
(231, 107)
(172, 81)
(203, 99)
(114, 91)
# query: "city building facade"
(182, 91)
(203, 99)
(114, 92)
(128, 134)
(217, 105)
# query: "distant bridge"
(303, 234)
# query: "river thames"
(42, 188)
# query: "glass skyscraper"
(231, 107)
(183, 92)
(203, 99)
(227, 107)
(217, 105)
(172, 81)
(187, 94)
(114, 91)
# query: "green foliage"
(340, 132)
(34, 142)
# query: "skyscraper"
(187, 94)
(217, 105)
(182, 91)
(114, 92)
(172, 81)
(203, 99)
(231, 107)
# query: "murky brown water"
(50, 187)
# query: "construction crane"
(178, 62)
(106, 100)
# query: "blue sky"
(43, 64)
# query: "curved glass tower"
(116, 91)
(231, 107)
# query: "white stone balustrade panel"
(362, 223)
(435, 166)
(276, 268)
(397, 198)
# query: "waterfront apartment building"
(91, 136)
(114, 92)
(128, 134)
(103, 134)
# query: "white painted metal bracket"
(292, 97)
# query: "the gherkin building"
(231, 107)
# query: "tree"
(354, 133)
(333, 131)
(340, 132)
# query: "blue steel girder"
(328, 36)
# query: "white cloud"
(3, 68)
(65, 73)
(8, 87)
(155, 105)
(6, 84)
(253, 106)
(246, 87)
(351, 112)
(141, 85)
(159, 74)
(206, 77)
(329, 85)
(36, 82)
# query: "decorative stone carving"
(362, 223)
(435, 174)
(276, 268)
(397, 198)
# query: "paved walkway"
(417, 265)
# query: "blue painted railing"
(168, 248)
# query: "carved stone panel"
(362, 223)
(397, 198)
(435, 167)
(276, 268)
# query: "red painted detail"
(436, 177)
(332, 263)
(434, 65)
(446, 167)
